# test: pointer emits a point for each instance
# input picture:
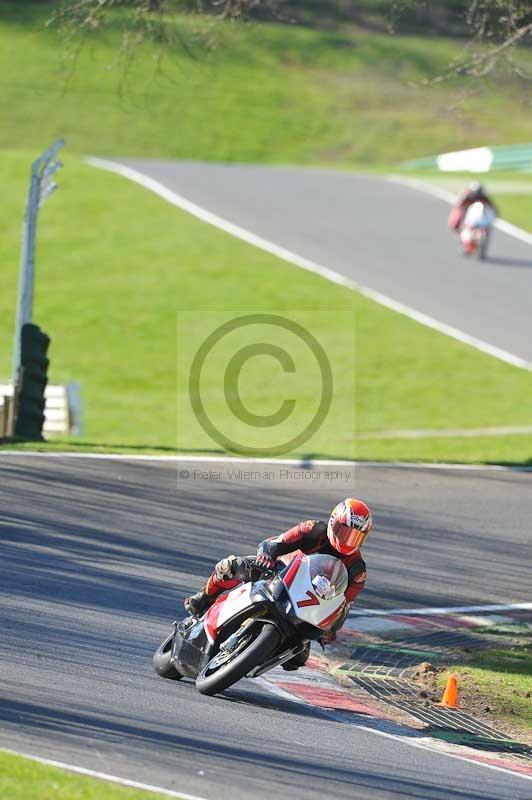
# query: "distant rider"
(347, 528)
(475, 193)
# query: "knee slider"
(225, 569)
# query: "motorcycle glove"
(266, 554)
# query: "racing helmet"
(349, 525)
(476, 188)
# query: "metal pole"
(41, 185)
(27, 266)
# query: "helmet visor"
(349, 537)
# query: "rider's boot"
(297, 661)
(222, 579)
(197, 604)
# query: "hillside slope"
(256, 92)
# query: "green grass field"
(116, 264)
(24, 779)
(262, 93)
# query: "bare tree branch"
(492, 29)
(156, 22)
(481, 63)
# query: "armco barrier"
(478, 159)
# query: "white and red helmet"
(349, 524)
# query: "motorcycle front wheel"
(223, 670)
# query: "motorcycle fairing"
(305, 605)
(188, 648)
(229, 606)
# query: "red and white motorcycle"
(257, 625)
(475, 229)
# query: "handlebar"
(252, 564)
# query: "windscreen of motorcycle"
(316, 584)
(332, 570)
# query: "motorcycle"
(258, 625)
(475, 229)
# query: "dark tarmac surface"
(388, 237)
(95, 557)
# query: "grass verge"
(25, 779)
(116, 264)
(497, 682)
(517, 208)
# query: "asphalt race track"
(386, 236)
(96, 557)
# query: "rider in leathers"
(473, 194)
(342, 537)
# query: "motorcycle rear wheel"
(161, 660)
(212, 680)
(482, 248)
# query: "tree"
(496, 30)
(92, 14)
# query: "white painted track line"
(448, 197)
(418, 612)
(297, 463)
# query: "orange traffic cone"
(450, 695)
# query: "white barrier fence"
(478, 159)
(62, 412)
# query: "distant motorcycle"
(257, 625)
(475, 229)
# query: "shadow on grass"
(25, 15)
(73, 445)
(514, 661)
